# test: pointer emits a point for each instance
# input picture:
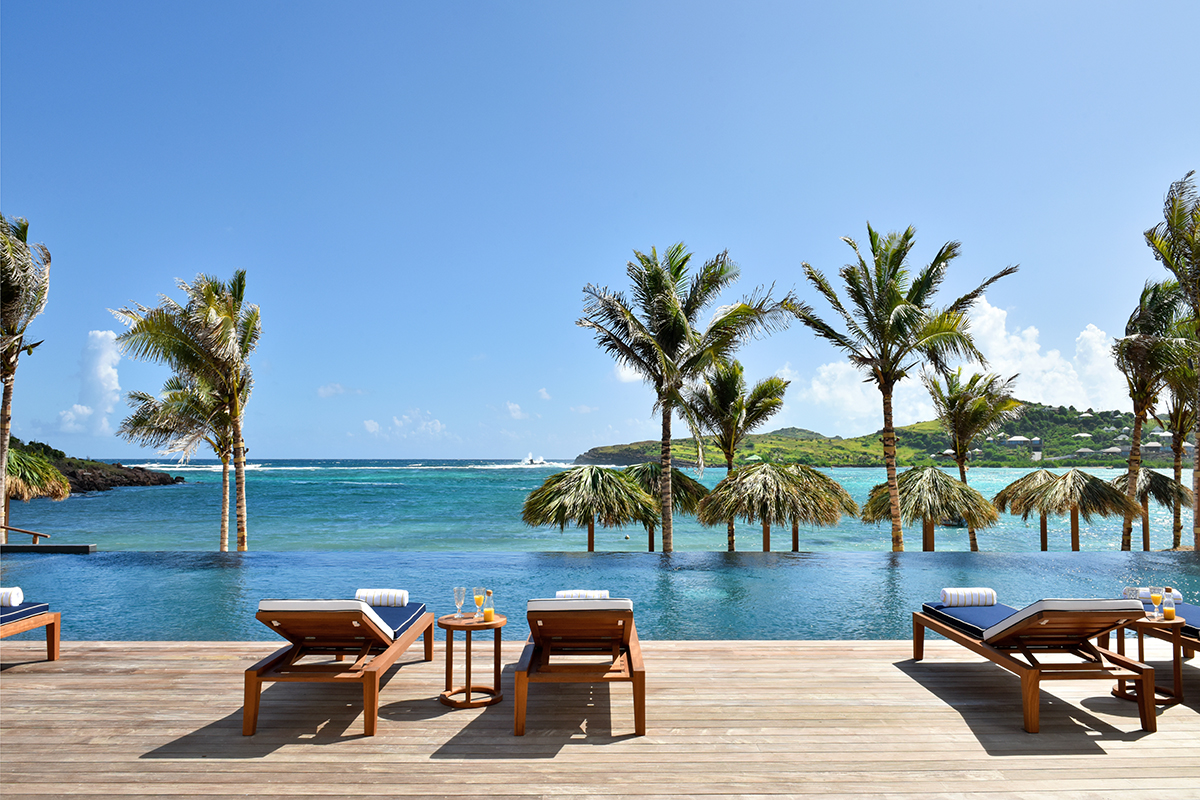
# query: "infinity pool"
(181, 596)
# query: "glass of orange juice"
(479, 595)
(1156, 593)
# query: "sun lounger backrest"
(580, 625)
(1061, 623)
(342, 623)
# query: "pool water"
(182, 596)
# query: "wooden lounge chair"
(1019, 640)
(601, 630)
(373, 636)
(27, 616)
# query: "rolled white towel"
(12, 597)
(382, 597)
(582, 594)
(978, 596)
(1144, 595)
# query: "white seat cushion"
(556, 604)
(1000, 628)
(332, 605)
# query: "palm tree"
(775, 494)
(187, 414)
(1179, 419)
(1156, 486)
(24, 288)
(1175, 243)
(930, 495)
(655, 333)
(892, 326)
(971, 410)
(209, 339)
(1015, 496)
(686, 492)
(818, 484)
(30, 475)
(1146, 355)
(720, 405)
(1076, 492)
(587, 494)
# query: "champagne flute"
(1156, 594)
(479, 595)
(460, 594)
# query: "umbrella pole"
(927, 534)
(1075, 529)
(1045, 542)
(591, 536)
(650, 530)
(796, 536)
(1146, 524)
(766, 535)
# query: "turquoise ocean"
(325, 528)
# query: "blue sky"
(419, 193)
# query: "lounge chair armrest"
(526, 656)
(271, 661)
(635, 650)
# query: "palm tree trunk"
(5, 432)
(1177, 506)
(1146, 524)
(889, 460)
(962, 476)
(239, 477)
(1045, 538)
(795, 535)
(1196, 490)
(1074, 529)
(224, 504)
(927, 535)
(766, 535)
(729, 523)
(664, 482)
(591, 535)
(1135, 464)
(650, 532)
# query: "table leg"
(468, 665)
(1177, 658)
(449, 660)
(496, 683)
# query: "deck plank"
(725, 719)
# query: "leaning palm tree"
(586, 495)
(721, 406)
(930, 495)
(655, 333)
(1015, 497)
(969, 411)
(30, 475)
(1146, 355)
(1180, 418)
(819, 485)
(24, 287)
(686, 492)
(1076, 492)
(208, 338)
(1155, 486)
(1175, 243)
(772, 494)
(892, 326)
(187, 414)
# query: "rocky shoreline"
(97, 476)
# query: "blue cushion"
(400, 618)
(13, 613)
(973, 620)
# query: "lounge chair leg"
(429, 642)
(918, 639)
(370, 702)
(521, 692)
(1031, 699)
(639, 703)
(250, 704)
(52, 637)
(1145, 692)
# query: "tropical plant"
(1015, 497)
(30, 475)
(1075, 492)
(686, 492)
(188, 413)
(930, 495)
(892, 326)
(655, 333)
(720, 405)
(774, 494)
(208, 339)
(24, 288)
(1146, 355)
(1152, 485)
(586, 495)
(970, 411)
(1175, 243)
(1180, 418)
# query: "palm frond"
(30, 475)
(586, 494)
(1077, 489)
(928, 493)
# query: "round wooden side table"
(490, 694)
(1170, 631)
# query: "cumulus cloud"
(372, 426)
(542, 393)
(626, 373)
(330, 389)
(840, 387)
(418, 423)
(584, 409)
(99, 388)
(515, 411)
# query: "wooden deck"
(748, 719)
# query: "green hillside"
(1056, 426)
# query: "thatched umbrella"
(821, 486)
(930, 495)
(1076, 492)
(586, 495)
(1014, 497)
(29, 475)
(772, 493)
(1153, 485)
(686, 492)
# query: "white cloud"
(584, 409)
(840, 387)
(372, 426)
(515, 411)
(542, 393)
(626, 373)
(99, 387)
(417, 423)
(330, 389)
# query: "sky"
(419, 192)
